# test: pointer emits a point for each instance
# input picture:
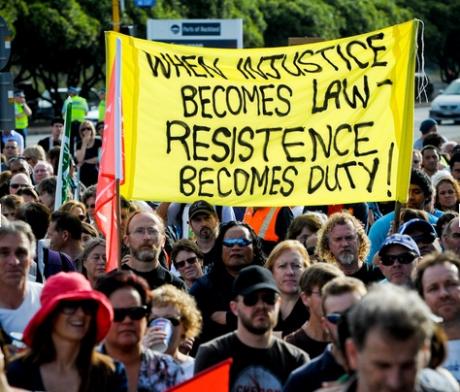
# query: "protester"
(423, 234)
(46, 190)
(260, 360)
(64, 233)
(451, 236)
(304, 228)
(239, 247)
(342, 241)
(19, 298)
(18, 181)
(89, 200)
(397, 259)
(131, 299)
(74, 207)
(93, 260)
(426, 127)
(62, 336)
(287, 261)
(454, 165)
(430, 160)
(390, 341)
(33, 154)
(437, 280)
(180, 309)
(312, 337)
(10, 205)
(338, 295)
(187, 259)
(57, 126)
(145, 237)
(204, 222)
(447, 192)
(87, 154)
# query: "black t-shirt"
(294, 320)
(89, 171)
(253, 369)
(368, 274)
(311, 376)
(311, 346)
(158, 277)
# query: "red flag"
(106, 191)
(216, 379)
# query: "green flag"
(63, 175)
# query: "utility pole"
(116, 15)
(7, 118)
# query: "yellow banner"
(323, 123)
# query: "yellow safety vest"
(22, 120)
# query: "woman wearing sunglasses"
(87, 154)
(61, 338)
(188, 261)
(179, 308)
(287, 261)
(132, 300)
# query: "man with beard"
(342, 241)
(145, 237)
(261, 362)
(204, 223)
(437, 280)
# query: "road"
(450, 131)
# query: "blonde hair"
(341, 218)
(168, 295)
(284, 246)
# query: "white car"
(446, 106)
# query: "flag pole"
(117, 145)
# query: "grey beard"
(346, 258)
(146, 255)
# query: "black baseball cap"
(253, 278)
(201, 207)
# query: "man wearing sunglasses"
(398, 258)
(260, 360)
(424, 235)
(338, 295)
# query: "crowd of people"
(351, 297)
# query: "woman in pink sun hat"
(61, 338)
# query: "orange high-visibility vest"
(263, 221)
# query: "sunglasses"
(190, 260)
(268, 298)
(241, 242)
(89, 307)
(334, 317)
(402, 258)
(175, 321)
(135, 313)
(16, 186)
(426, 238)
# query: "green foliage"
(299, 18)
(61, 42)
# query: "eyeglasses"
(231, 242)
(135, 313)
(334, 317)
(89, 307)
(175, 321)
(402, 258)
(181, 264)
(267, 297)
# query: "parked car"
(446, 106)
